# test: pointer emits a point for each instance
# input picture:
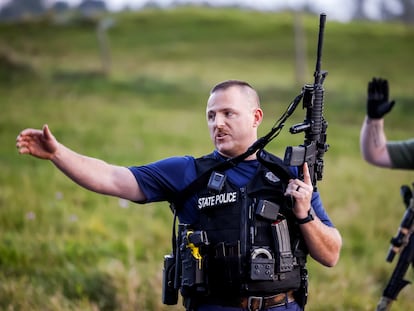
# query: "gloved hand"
(377, 101)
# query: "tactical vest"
(246, 241)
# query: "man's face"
(232, 121)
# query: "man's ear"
(258, 117)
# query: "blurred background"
(337, 10)
(127, 82)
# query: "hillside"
(64, 248)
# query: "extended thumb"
(392, 103)
(46, 131)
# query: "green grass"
(64, 248)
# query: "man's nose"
(219, 120)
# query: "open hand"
(38, 143)
(377, 102)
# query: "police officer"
(273, 223)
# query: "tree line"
(26, 9)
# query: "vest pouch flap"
(262, 269)
(281, 282)
(268, 210)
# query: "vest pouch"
(193, 261)
(281, 282)
(169, 292)
(262, 265)
(291, 279)
(193, 273)
(281, 238)
(225, 268)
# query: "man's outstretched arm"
(91, 173)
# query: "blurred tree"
(91, 8)
(18, 9)
(408, 11)
(60, 6)
(359, 10)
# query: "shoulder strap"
(202, 178)
(275, 165)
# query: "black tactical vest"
(252, 245)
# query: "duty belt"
(257, 303)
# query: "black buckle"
(254, 303)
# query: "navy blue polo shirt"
(158, 180)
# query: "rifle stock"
(384, 304)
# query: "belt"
(256, 303)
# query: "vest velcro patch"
(217, 200)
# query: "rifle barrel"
(322, 21)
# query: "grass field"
(64, 248)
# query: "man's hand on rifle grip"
(301, 192)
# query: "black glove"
(377, 101)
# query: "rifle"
(403, 244)
(314, 125)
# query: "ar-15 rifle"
(314, 126)
(403, 244)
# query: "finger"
(23, 146)
(28, 133)
(385, 89)
(375, 83)
(371, 87)
(24, 150)
(22, 141)
(290, 188)
(25, 132)
(306, 174)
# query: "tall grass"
(63, 248)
